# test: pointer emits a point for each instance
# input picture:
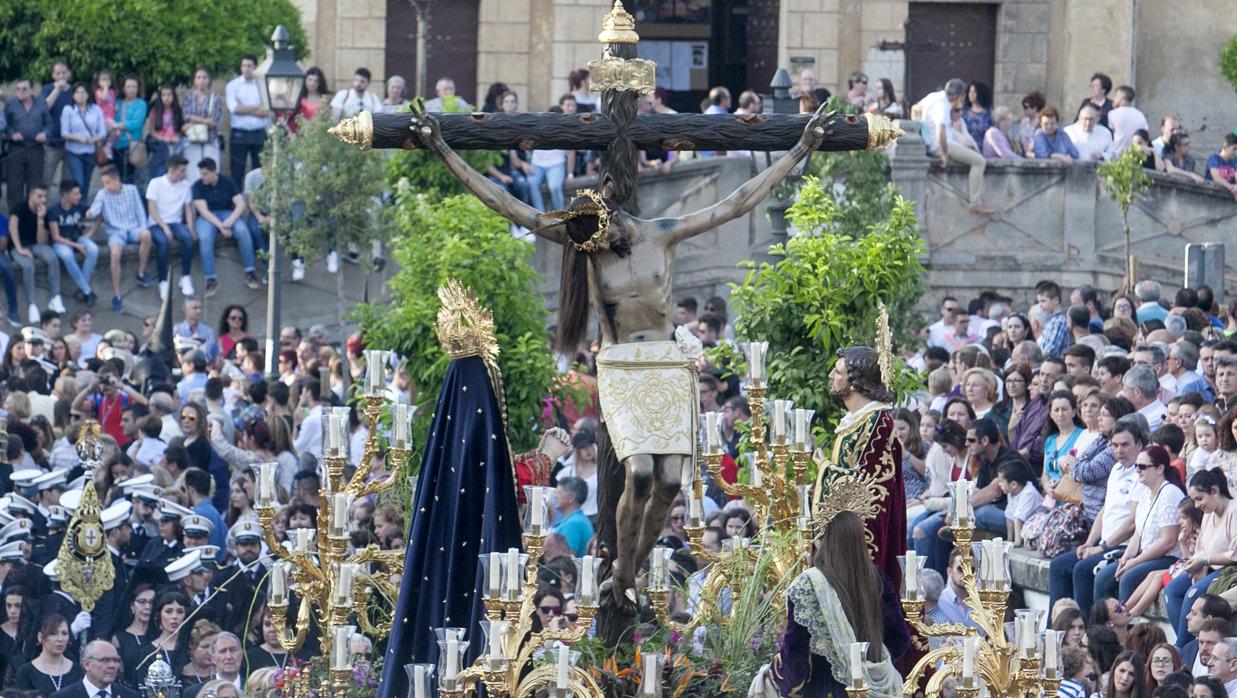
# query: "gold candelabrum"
(1009, 661)
(777, 490)
(335, 588)
(510, 666)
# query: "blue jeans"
(553, 177)
(79, 273)
(184, 238)
(1179, 596)
(987, 518)
(245, 147)
(518, 187)
(1067, 575)
(10, 286)
(206, 242)
(1106, 583)
(81, 167)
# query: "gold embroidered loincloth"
(649, 398)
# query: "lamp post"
(783, 194)
(421, 7)
(283, 79)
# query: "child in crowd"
(1190, 519)
(940, 382)
(1022, 497)
(1205, 438)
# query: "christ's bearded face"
(839, 380)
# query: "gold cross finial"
(619, 27)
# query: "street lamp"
(283, 79)
(783, 194)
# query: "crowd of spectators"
(176, 484)
(1103, 436)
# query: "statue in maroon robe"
(865, 442)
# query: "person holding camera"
(106, 396)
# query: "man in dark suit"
(101, 664)
(164, 548)
(227, 655)
(195, 572)
(244, 576)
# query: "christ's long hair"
(842, 555)
(573, 298)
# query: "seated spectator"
(1088, 136)
(946, 137)
(68, 236)
(1023, 499)
(998, 142)
(352, 101)
(1050, 142)
(1190, 519)
(220, 209)
(445, 99)
(1081, 677)
(28, 236)
(397, 96)
(124, 221)
(169, 198)
(1221, 166)
(1161, 661)
(1176, 158)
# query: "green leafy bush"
(459, 238)
(821, 295)
(159, 40)
(1228, 62)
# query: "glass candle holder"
(341, 654)
(335, 435)
(513, 574)
(781, 412)
(858, 672)
(802, 432)
(590, 571)
(495, 637)
(401, 425)
(420, 680)
(264, 481)
(756, 354)
(962, 515)
(912, 569)
(537, 513)
(376, 372)
(451, 649)
(659, 573)
(279, 583)
(492, 572)
(1049, 648)
(650, 679)
(711, 430)
(1026, 631)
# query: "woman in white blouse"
(1154, 546)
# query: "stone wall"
(1054, 221)
(344, 35)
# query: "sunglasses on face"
(572, 617)
(1143, 466)
(189, 416)
(677, 519)
(237, 318)
(551, 610)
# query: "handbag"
(199, 134)
(137, 154)
(101, 158)
(1065, 529)
(1068, 490)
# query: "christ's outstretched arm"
(748, 196)
(492, 195)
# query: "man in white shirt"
(1073, 572)
(939, 330)
(1089, 137)
(1124, 120)
(350, 102)
(309, 436)
(248, 113)
(169, 200)
(935, 112)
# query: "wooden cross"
(638, 281)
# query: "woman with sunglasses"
(193, 426)
(233, 327)
(1154, 545)
(549, 603)
(946, 463)
(1079, 671)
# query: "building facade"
(1167, 50)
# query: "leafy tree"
(425, 173)
(162, 41)
(821, 295)
(322, 193)
(1228, 61)
(1124, 179)
(459, 238)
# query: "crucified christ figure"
(624, 265)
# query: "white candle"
(586, 580)
(537, 509)
(756, 355)
(339, 514)
(856, 662)
(302, 540)
(375, 372)
(962, 500)
(279, 583)
(779, 420)
(564, 663)
(401, 420)
(656, 572)
(1050, 653)
(498, 628)
(513, 573)
(968, 659)
(912, 574)
(496, 567)
(418, 682)
(695, 510)
(801, 429)
(342, 658)
(343, 592)
(651, 674)
(712, 423)
(266, 484)
(757, 477)
(999, 576)
(453, 658)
